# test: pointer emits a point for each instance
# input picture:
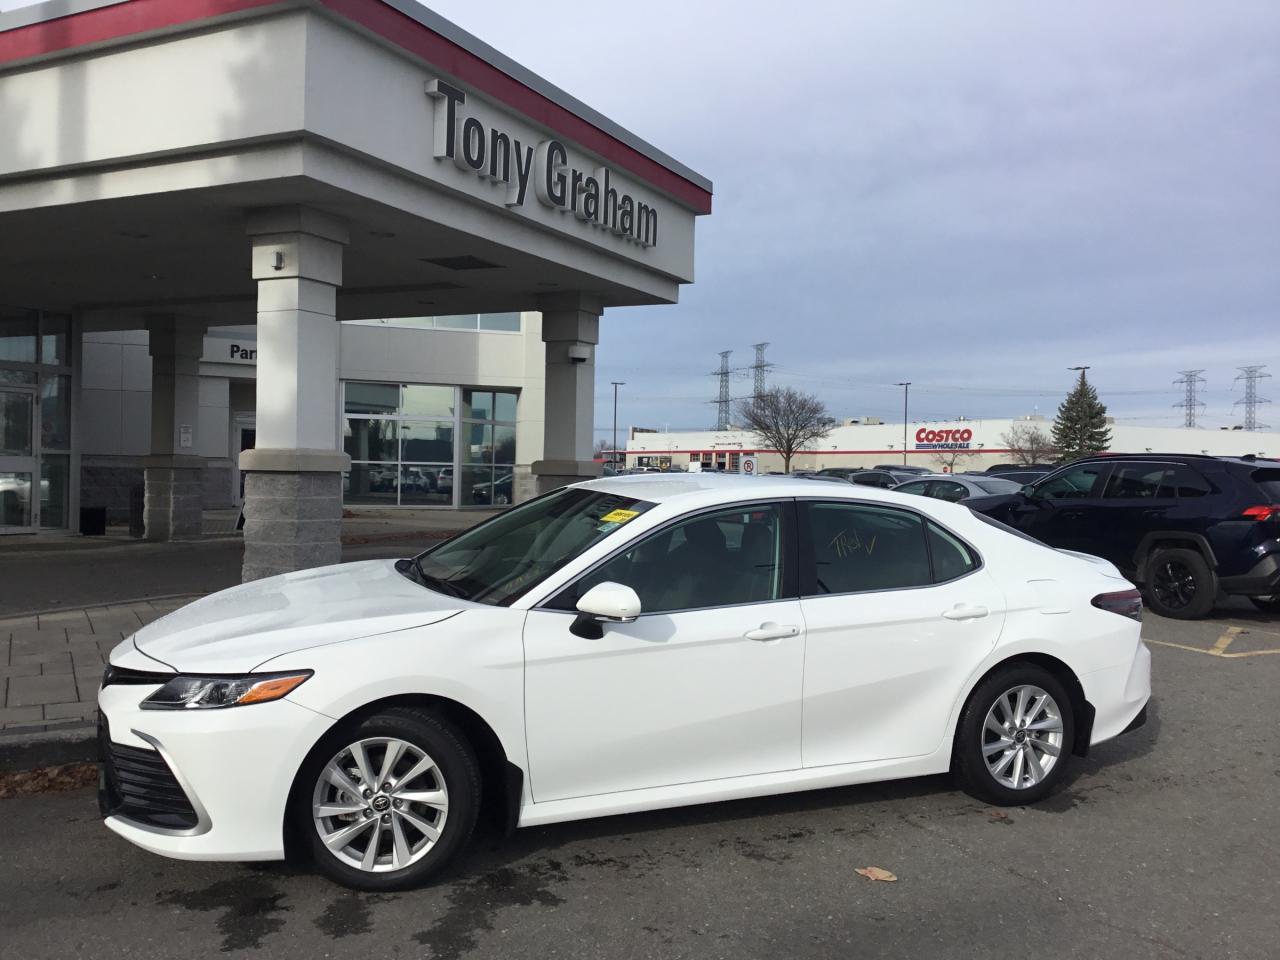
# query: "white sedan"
(620, 645)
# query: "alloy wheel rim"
(380, 804)
(1174, 584)
(1022, 737)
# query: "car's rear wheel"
(1015, 736)
(1180, 584)
(1266, 604)
(388, 800)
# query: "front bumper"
(235, 768)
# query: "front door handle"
(963, 611)
(772, 631)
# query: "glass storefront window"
(426, 484)
(372, 398)
(15, 499)
(461, 321)
(53, 340)
(55, 413)
(504, 406)
(426, 442)
(370, 483)
(54, 475)
(18, 329)
(15, 423)
(507, 322)
(477, 404)
(369, 439)
(425, 400)
(17, 376)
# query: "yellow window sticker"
(619, 516)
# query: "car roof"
(712, 487)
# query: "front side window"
(949, 491)
(719, 559)
(855, 548)
(1130, 481)
(503, 557)
(1075, 483)
(919, 488)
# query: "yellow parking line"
(1219, 649)
(1224, 641)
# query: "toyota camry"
(619, 645)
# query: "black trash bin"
(93, 521)
(137, 517)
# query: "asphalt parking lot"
(1165, 843)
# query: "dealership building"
(947, 446)
(209, 209)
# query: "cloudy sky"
(969, 196)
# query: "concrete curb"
(48, 745)
(108, 603)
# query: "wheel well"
(501, 781)
(1082, 708)
(1172, 541)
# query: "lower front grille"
(138, 785)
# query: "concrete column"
(570, 330)
(293, 478)
(173, 471)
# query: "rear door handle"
(772, 631)
(963, 611)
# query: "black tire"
(1180, 584)
(453, 758)
(968, 761)
(1266, 604)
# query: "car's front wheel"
(1015, 736)
(388, 800)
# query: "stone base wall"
(106, 482)
(292, 521)
(172, 510)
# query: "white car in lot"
(619, 645)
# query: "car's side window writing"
(857, 548)
(951, 558)
(1134, 481)
(712, 560)
(1074, 484)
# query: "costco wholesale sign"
(927, 439)
(497, 156)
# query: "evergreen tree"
(1080, 429)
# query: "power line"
(1251, 376)
(1191, 380)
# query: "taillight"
(1127, 603)
(1268, 511)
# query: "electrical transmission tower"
(1251, 376)
(722, 402)
(1190, 379)
(760, 369)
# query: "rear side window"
(951, 558)
(946, 490)
(919, 488)
(1182, 481)
(1130, 481)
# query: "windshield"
(503, 557)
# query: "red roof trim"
(142, 16)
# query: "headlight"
(204, 693)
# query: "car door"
(1135, 500)
(898, 611)
(1061, 510)
(704, 684)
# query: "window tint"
(1268, 482)
(1072, 484)
(872, 479)
(712, 560)
(1134, 480)
(918, 488)
(946, 490)
(858, 548)
(951, 558)
(1182, 481)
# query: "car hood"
(237, 629)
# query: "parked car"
(958, 486)
(615, 646)
(902, 468)
(1189, 529)
(840, 473)
(499, 494)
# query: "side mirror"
(1029, 491)
(606, 602)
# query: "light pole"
(906, 392)
(616, 385)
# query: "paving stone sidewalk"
(51, 664)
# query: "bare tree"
(948, 459)
(786, 420)
(1028, 444)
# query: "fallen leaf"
(876, 873)
(71, 776)
(997, 815)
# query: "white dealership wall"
(115, 395)
(865, 445)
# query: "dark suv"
(1190, 529)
